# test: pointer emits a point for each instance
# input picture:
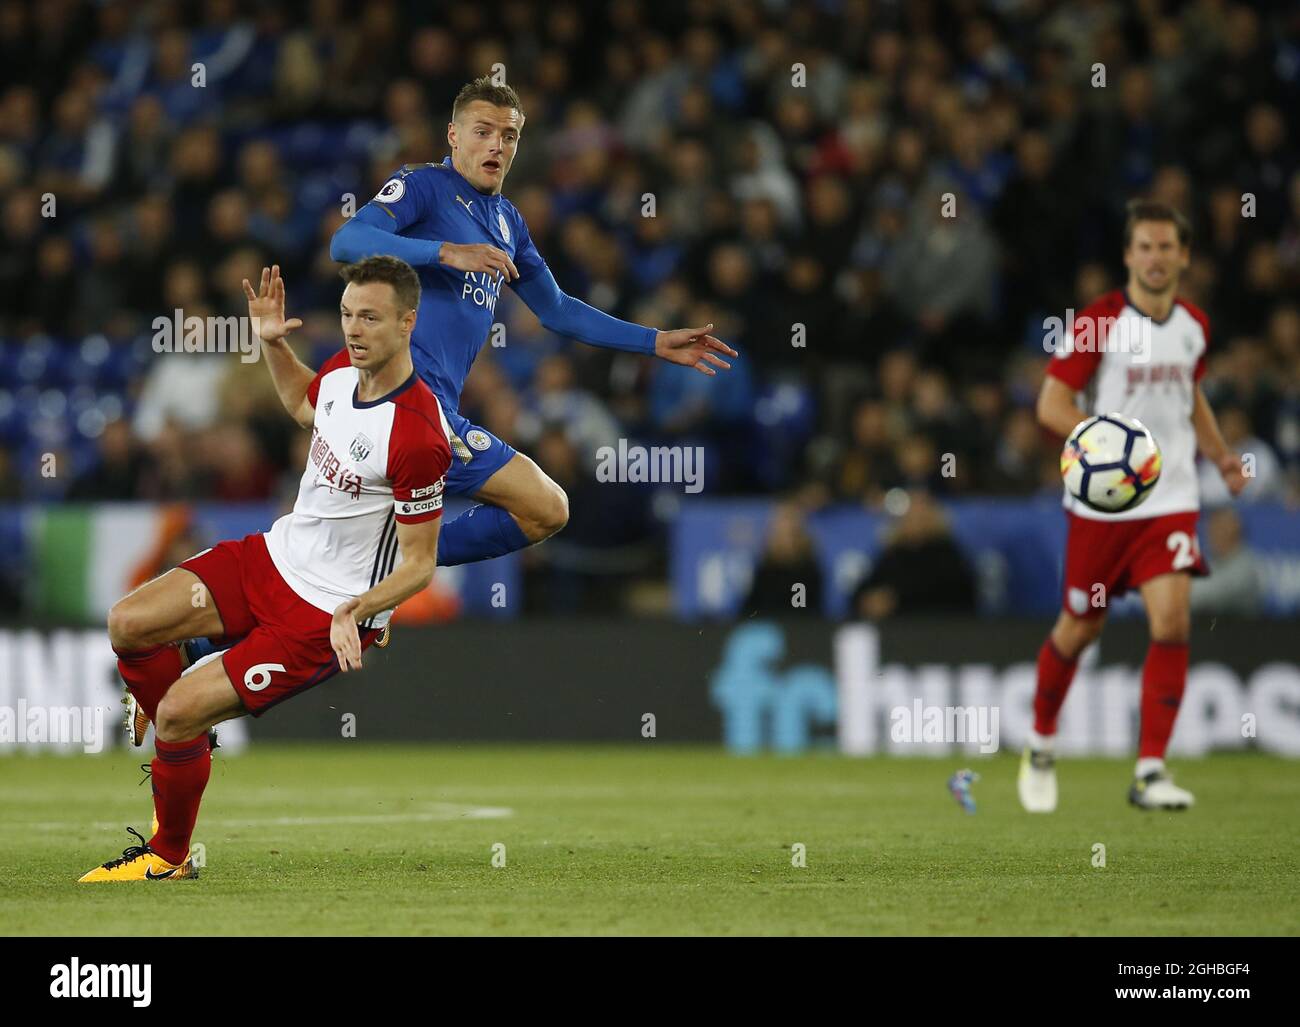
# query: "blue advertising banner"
(1015, 549)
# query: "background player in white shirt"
(1139, 351)
(309, 596)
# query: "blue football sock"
(480, 533)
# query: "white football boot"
(1156, 790)
(1037, 781)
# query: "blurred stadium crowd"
(777, 205)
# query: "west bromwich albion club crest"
(360, 448)
(505, 228)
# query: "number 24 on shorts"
(1185, 548)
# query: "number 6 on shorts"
(258, 676)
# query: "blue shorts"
(476, 455)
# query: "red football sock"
(180, 773)
(148, 673)
(1164, 676)
(1055, 673)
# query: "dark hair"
(483, 88)
(397, 273)
(1154, 210)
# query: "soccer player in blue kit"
(450, 222)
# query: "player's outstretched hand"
(1230, 468)
(344, 639)
(266, 306)
(478, 257)
(693, 347)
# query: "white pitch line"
(448, 812)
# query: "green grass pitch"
(653, 839)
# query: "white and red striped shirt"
(1125, 361)
(371, 465)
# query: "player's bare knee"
(1174, 630)
(126, 626)
(180, 718)
(1090, 629)
(1072, 635)
(170, 719)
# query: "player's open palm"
(266, 306)
(693, 347)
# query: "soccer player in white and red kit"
(1140, 351)
(308, 596)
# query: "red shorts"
(1121, 555)
(284, 645)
